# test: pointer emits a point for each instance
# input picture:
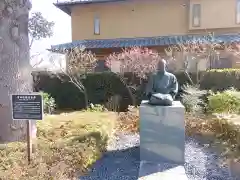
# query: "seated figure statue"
(162, 86)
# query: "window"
(96, 25)
(196, 15)
(238, 12)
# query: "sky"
(62, 28)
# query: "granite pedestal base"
(162, 142)
(162, 133)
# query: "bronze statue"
(162, 86)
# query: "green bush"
(193, 99)
(66, 95)
(100, 88)
(227, 101)
(221, 79)
(182, 78)
(49, 104)
(95, 108)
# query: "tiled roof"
(69, 2)
(64, 5)
(148, 41)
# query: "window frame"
(237, 11)
(194, 13)
(96, 25)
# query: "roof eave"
(60, 51)
(66, 6)
(148, 41)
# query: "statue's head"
(161, 66)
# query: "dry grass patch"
(129, 121)
(67, 145)
(223, 132)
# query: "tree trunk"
(85, 98)
(128, 89)
(15, 69)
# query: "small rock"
(3, 146)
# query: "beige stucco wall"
(136, 18)
(141, 18)
(216, 14)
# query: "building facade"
(106, 26)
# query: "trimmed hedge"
(102, 86)
(221, 79)
(66, 95)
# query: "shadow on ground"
(201, 163)
(116, 165)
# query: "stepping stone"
(152, 171)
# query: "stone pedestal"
(162, 133)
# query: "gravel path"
(121, 162)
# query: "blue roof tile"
(73, 2)
(149, 41)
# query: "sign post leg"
(29, 141)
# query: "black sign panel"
(27, 107)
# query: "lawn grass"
(66, 146)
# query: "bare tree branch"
(136, 60)
(79, 62)
(198, 49)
